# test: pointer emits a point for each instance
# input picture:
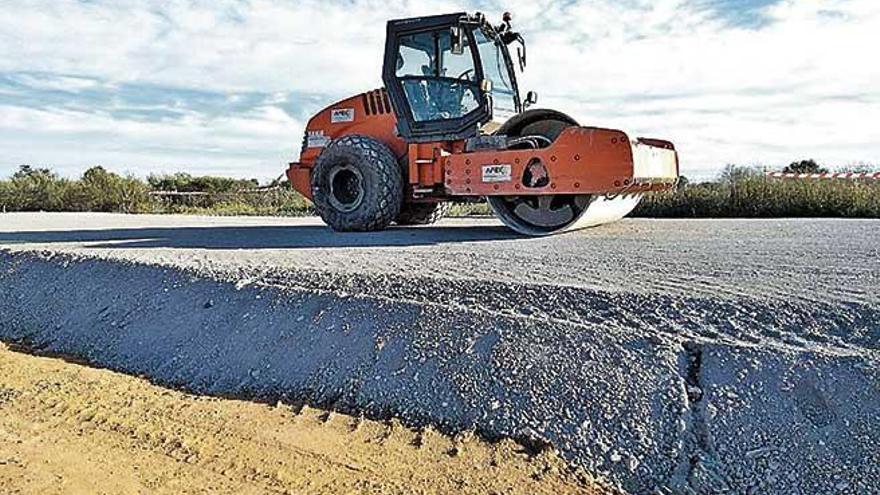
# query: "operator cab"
(449, 75)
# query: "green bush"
(182, 182)
(746, 193)
(99, 190)
(739, 192)
(279, 202)
(35, 189)
(805, 167)
(470, 209)
(5, 198)
(39, 189)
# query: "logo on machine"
(497, 173)
(316, 139)
(338, 115)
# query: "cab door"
(433, 78)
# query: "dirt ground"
(71, 429)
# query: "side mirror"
(531, 99)
(457, 35)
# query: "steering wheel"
(464, 75)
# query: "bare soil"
(70, 429)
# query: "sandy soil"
(67, 428)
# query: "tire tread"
(375, 159)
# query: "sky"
(225, 87)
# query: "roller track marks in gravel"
(604, 376)
(788, 324)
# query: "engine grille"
(376, 102)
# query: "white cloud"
(226, 45)
(253, 144)
(802, 83)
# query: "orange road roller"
(450, 126)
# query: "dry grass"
(739, 193)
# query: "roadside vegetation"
(40, 189)
(737, 192)
(744, 192)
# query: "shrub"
(182, 182)
(100, 190)
(738, 192)
(742, 193)
(280, 202)
(805, 167)
(35, 189)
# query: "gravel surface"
(667, 356)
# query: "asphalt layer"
(711, 356)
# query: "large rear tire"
(422, 213)
(357, 185)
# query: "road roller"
(450, 125)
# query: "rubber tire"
(382, 184)
(422, 213)
(541, 121)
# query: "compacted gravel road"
(716, 356)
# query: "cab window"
(437, 83)
(495, 69)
